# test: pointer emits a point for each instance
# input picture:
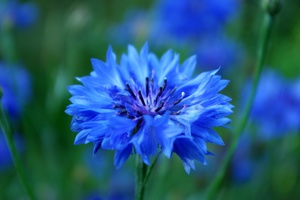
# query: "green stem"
(150, 169)
(262, 50)
(141, 169)
(7, 44)
(8, 134)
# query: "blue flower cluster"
(5, 158)
(276, 109)
(242, 164)
(186, 19)
(218, 52)
(17, 14)
(16, 85)
(202, 26)
(144, 104)
(134, 27)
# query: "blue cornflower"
(218, 51)
(242, 164)
(16, 85)
(134, 27)
(14, 13)
(276, 108)
(186, 19)
(5, 156)
(145, 103)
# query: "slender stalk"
(141, 169)
(150, 169)
(8, 134)
(261, 54)
(7, 46)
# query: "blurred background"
(44, 45)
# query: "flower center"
(151, 100)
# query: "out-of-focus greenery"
(58, 48)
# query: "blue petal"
(168, 67)
(188, 66)
(107, 74)
(188, 164)
(145, 140)
(188, 151)
(81, 136)
(111, 57)
(145, 50)
(190, 114)
(122, 155)
(97, 146)
(193, 85)
(137, 65)
(167, 137)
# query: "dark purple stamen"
(165, 84)
(179, 111)
(176, 113)
(161, 89)
(158, 94)
(141, 98)
(178, 100)
(130, 116)
(118, 106)
(160, 106)
(172, 91)
(130, 90)
(122, 112)
(151, 100)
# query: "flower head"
(5, 156)
(185, 19)
(144, 104)
(276, 111)
(16, 85)
(242, 163)
(219, 51)
(135, 26)
(18, 14)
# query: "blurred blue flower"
(242, 165)
(16, 86)
(5, 156)
(276, 109)
(16, 14)
(98, 167)
(134, 27)
(218, 52)
(186, 19)
(145, 103)
(120, 187)
(93, 196)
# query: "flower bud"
(272, 6)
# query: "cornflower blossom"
(276, 108)
(242, 163)
(5, 156)
(135, 26)
(16, 85)
(146, 105)
(16, 14)
(186, 19)
(218, 51)
(119, 187)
